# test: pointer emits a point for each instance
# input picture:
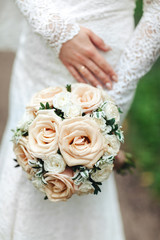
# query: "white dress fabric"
(24, 215)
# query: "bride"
(63, 41)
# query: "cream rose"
(43, 134)
(46, 95)
(59, 187)
(80, 141)
(88, 97)
(103, 174)
(112, 145)
(85, 188)
(23, 155)
(54, 164)
(111, 111)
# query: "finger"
(101, 62)
(75, 74)
(98, 42)
(98, 72)
(88, 76)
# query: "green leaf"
(59, 112)
(25, 134)
(45, 198)
(110, 121)
(42, 105)
(95, 185)
(17, 166)
(59, 152)
(47, 106)
(68, 87)
(96, 189)
(120, 110)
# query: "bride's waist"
(98, 9)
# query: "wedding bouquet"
(68, 139)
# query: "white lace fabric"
(142, 50)
(138, 57)
(47, 21)
(24, 213)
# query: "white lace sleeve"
(47, 21)
(142, 51)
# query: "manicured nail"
(99, 86)
(109, 85)
(108, 48)
(115, 78)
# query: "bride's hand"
(84, 62)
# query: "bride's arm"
(47, 21)
(79, 55)
(142, 50)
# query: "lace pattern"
(141, 52)
(47, 21)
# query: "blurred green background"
(143, 132)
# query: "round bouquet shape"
(67, 140)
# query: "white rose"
(26, 120)
(54, 164)
(111, 111)
(62, 99)
(112, 145)
(107, 129)
(72, 110)
(101, 122)
(85, 188)
(103, 174)
(37, 182)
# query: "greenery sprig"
(17, 165)
(96, 186)
(57, 111)
(38, 165)
(44, 107)
(68, 87)
(17, 134)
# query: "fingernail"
(108, 48)
(109, 85)
(115, 78)
(99, 86)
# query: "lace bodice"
(56, 27)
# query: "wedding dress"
(24, 215)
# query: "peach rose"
(88, 97)
(43, 134)
(46, 95)
(59, 187)
(80, 141)
(23, 155)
